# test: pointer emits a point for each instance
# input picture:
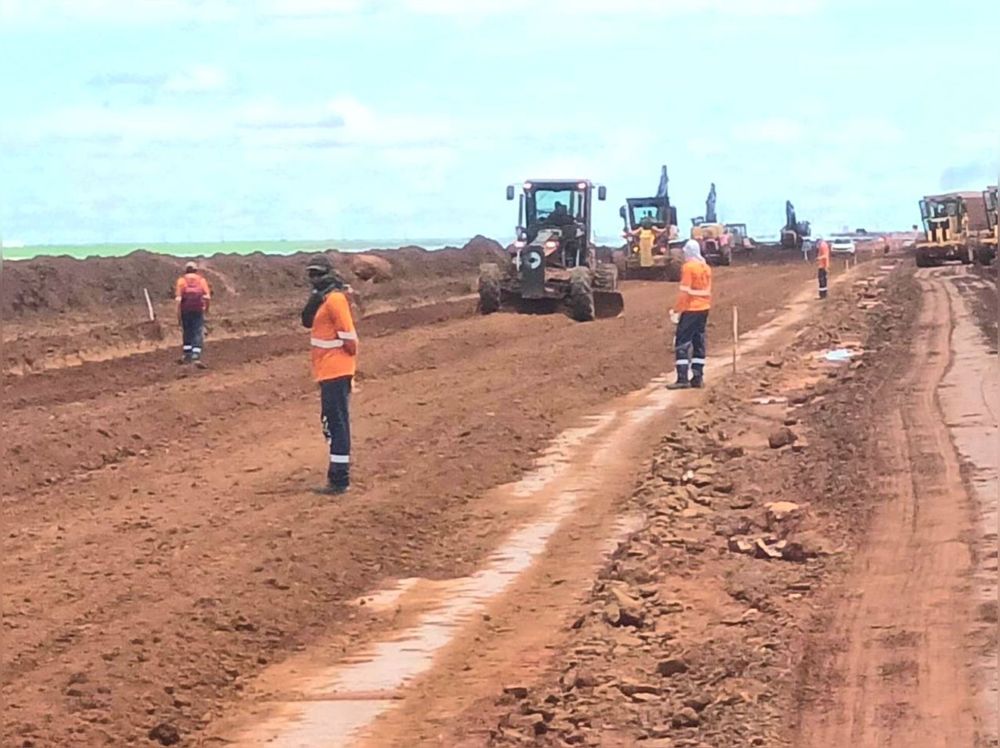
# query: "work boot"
(200, 364)
(184, 360)
(330, 490)
(680, 384)
(697, 382)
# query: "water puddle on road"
(326, 704)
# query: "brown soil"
(160, 544)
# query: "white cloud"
(120, 12)
(773, 130)
(342, 122)
(578, 8)
(200, 79)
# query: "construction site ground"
(543, 545)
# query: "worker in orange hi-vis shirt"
(690, 313)
(823, 265)
(333, 342)
(193, 296)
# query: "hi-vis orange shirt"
(695, 289)
(823, 256)
(333, 326)
(192, 293)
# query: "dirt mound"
(370, 267)
(55, 285)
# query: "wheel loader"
(986, 252)
(946, 231)
(553, 262)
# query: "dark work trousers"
(689, 345)
(193, 325)
(335, 397)
(822, 277)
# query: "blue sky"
(205, 119)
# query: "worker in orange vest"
(690, 313)
(823, 265)
(333, 343)
(193, 297)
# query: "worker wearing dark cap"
(334, 350)
(193, 296)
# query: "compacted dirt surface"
(543, 547)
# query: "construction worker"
(334, 349)
(193, 297)
(822, 265)
(690, 312)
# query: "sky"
(205, 120)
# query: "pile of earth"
(47, 285)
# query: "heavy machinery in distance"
(713, 237)
(740, 237)
(651, 248)
(946, 231)
(986, 252)
(795, 232)
(553, 261)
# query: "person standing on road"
(193, 297)
(334, 350)
(691, 315)
(822, 265)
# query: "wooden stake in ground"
(149, 305)
(736, 336)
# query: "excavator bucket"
(608, 304)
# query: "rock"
(775, 361)
(165, 734)
(629, 610)
(518, 692)
(781, 438)
(741, 545)
(765, 551)
(673, 666)
(686, 717)
(631, 688)
(699, 703)
(780, 511)
(371, 267)
(806, 546)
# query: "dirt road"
(902, 636)
(161, 546)
(544, 547)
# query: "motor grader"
(986, 252)
(946, 231)
(553, 262)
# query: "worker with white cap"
(690, 313)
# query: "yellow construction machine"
(986, 252)
(946, 231)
